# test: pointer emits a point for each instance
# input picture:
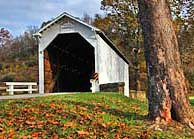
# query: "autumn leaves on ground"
(83, 116)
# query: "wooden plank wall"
(48, 73)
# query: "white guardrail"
(11, 88)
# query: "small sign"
(67, 25)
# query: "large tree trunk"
(167, 91)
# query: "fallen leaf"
(69, 124)
(52, 106)
(11, 133)
(40, 124)
(1, 129)
(30, 123)
(49, 115)
(32, 118)
(83, 108)
(2, 137)
(54, 122)
(10, 123)
(34, 134)
(104, 125)
(55, 136)
(81, 133)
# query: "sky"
(17, 15)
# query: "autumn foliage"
(82, 116)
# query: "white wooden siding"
(110, 66)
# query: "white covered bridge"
(73, 54)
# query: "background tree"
(167, 91)
(87, 18)
(186, 41)
(5, 37)
(19, 58)
(6, 40)
(116, 21)
(123, 28)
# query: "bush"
(1, 66)
(31, 63)
(8, 78)
(190, 77)
(192, 80)
(7, 66)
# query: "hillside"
(101, 115)
(19, 58)
(22, 70)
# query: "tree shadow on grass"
(112, 111)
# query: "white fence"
(95, 86)
(29, 86)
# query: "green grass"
(192, 100)
(100, 115)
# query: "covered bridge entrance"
(69, 64)
(77, 57)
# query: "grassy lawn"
(83, 116)
(192, 101)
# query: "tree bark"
(167, 91)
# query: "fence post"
(30, 89)
(95, 86)
(11, 90)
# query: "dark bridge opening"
(69, 64)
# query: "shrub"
(1, 66)
(7, 66)
(190, 77)
(31, 63)
(8, 78)
(192, 80)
